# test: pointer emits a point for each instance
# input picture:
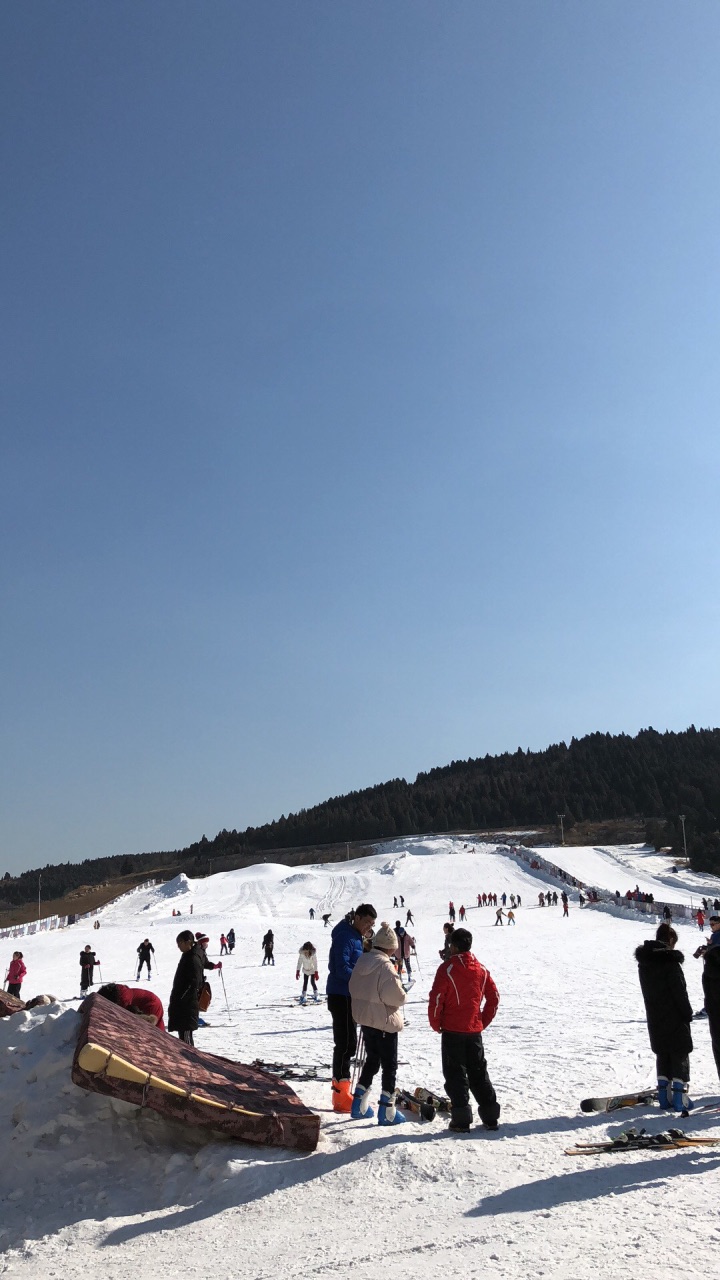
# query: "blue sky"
(359, 398)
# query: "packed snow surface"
(95, 1188)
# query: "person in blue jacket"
(345, 949)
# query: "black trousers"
(313, 983)
(14, 989)
(344, 1035)
(381, 1048)
(465, 1072)
(714, 1025)
(140, 966)
(186, 1037)
(676, 1066)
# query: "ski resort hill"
(93, 1187)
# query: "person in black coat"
(669, 1015)
(711, 987)
(183, 1011)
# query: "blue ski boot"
(302, 1000)
(387, 1111)
(664, 1097)
(681, 1098)
(361, 1109)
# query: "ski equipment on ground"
(641, 1098)
(640, 1140)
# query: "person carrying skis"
(183, 1008)
(346, 947)
(15, 974)
(377, 997)
(144, 951)
(88, 960)
(669, 1015)
(268, 943)
(144, 1003)
(463, 1002)
(231, 940)
(307, 965)
(223, 945)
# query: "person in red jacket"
(463, 1002)
(15, 974)
(136, 1000)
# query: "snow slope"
(95, 1189)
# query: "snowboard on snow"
(434, 1099)
(639, 1140)
(641, 1098)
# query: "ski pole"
(417, 962)
(360, 1055)
(227, 1006)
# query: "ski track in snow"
(91, 1187)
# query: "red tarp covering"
(271, 1114)
(9, 1004)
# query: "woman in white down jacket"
(307, 966)
(377, 998)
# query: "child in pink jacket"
(15, 974)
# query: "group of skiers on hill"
(364, 990)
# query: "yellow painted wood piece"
(98, 1061)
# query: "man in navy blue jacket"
(345, 948)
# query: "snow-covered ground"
(93, 1188)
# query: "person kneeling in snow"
(463, 1002)
(136, 1000)
(377, 998)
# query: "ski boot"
(302, 1000)
(341, 1096)
(387, 1111)
(681, 1103)
(316, 997)
(460, 1119)
(664, 1097)
(361, 1109)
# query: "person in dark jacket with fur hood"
(183, 1011)
(711, 988)
(669, 1015)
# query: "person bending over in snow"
(463, 1002)
(669, 1015)
(183, 1010)
(377, 998)
(144, 1003)
(15, 974)
(307, 966)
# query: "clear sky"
(360, 392)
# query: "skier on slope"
(307, 965)
(463, 1002)
(267, 944)
(669, 1015)
(348, 941)
(405, 948)
(145, 950)
(144, 1003)
(377, 997)
(223, 945)
(15, 974)
(183, 1009)
(88, 960)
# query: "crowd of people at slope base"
(365, 994)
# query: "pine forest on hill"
(651, 778)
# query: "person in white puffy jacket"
(308, 967)
(377, 996)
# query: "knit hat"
(201, 937)
(385, 938)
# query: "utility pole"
(562, 829)
(682, 819)
(39, 885)
(347, 850)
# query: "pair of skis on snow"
(641, 1140)
(642, 1098)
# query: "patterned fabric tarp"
(9, 1004)
(120, 1054)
